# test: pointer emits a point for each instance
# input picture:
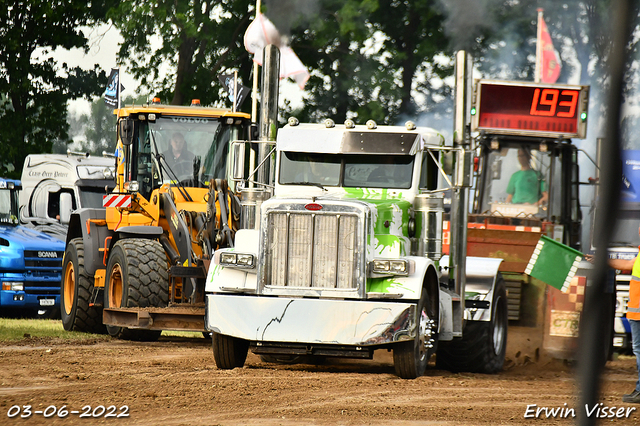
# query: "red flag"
(549, 60)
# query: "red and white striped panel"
(116, 200)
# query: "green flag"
(553, 263)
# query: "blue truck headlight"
(13, 285)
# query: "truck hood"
(21, 237)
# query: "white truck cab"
(53, 185)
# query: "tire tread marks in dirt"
(474, 352)
(229, 352)
(83, 317)
(146, 283)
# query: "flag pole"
(539, 47)
(235, 89)
(254, 95)
(118, 88)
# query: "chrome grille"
(314, 250)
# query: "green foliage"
(365, 57)
(34, 89)
(199, 41)
(97, 129)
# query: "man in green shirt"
(526, 186)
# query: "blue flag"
(112, 93)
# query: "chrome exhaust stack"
(263, 177)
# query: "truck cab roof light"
(293, 121)
(410, 125)
(195, 102)
(156, 101)
(329, 123)
(371, 125)
(349, 124)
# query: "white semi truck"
(53, 185)
(345, 257)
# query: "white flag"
(262, 32)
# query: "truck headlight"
(393, 267)
(237, 259)
(13, 286)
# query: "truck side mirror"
(236, 161)
(66, 206)
(448, 160)
(125, 128)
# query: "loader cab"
(150, 153)
(529, 182)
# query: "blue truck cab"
(30, 261)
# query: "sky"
(104, 43)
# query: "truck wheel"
(483, 344)
(410, 358)
(229, 352)
(137, 277)
(75, 293)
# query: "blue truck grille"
(42, 287)
(41, 259)
(44, 272)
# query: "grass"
(12, 329)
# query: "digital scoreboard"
(530, 109)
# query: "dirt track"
(175, 382)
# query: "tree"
(200, 39)
(97, 130)
(370, 59)
(33, 93)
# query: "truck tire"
(137, 277)
(229, 352)
(75, 293)
(483, 344)
(410, 358)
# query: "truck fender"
(88, 224)
(150, 232)
(482, 275)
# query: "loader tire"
(137, 277)
(229, 352)
(483, 344)
(75, 293)
(410, 358)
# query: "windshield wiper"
(319, 185)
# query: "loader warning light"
(531, 109)
(195, 102)
(155, 100)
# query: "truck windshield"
(188, 144)
(516, 179)
(8, 207)
(348, 170)
(625, 231)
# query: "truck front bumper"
(20, 299)
(314, 321)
